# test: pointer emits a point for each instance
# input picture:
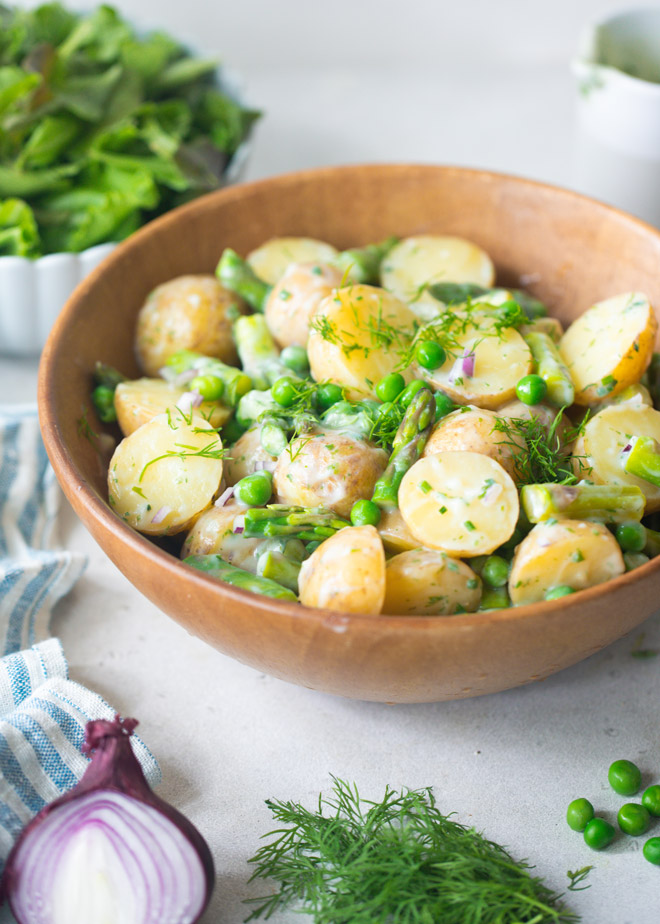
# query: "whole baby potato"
(246, 456)
(346, 573)
(327, 469)
(213, 534)
(473, 429)
(294, 299)
(187, 313)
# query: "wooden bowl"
(568, 250)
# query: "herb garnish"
(544, 458)
(212, 450)
(396, 861)
(577, 876)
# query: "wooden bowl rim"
(67, 471)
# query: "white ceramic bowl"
(33, 292)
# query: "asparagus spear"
(354, 419)
(259, 355)
(644, 460)
(456, 293)
(106, 379)
(407, 447)
(607, 502)
(236, 274)
(363, 263)
(216, 567)
(236, 382)
(306, 523)
(277, 567)
(551, 368)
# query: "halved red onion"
(160, 515)
(224, 497)
(109, 849)
(239, 524)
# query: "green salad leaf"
(102, 129)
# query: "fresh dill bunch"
(545, 458)
(397, 861)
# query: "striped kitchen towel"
(42, 712)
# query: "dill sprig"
(545, 458)
(397, 861)
(576, 877)
(212, 450)
(373, 333)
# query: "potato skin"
(295, 298)
(346, 573)
(472, 429)
(574, 553)
(187, 313)
(328, 469)
(423, 582)
(213, 534)
(244, 455)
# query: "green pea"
(495, 571)
(495, 598)
(631, 537)
(295, 358)
(365, 513)
(390, 387)
(284, 391)
(633, 819)
(556, 592)
(624, 777)
(103, 399)
(651, 850)
(410, 391)
(328, 394)
(430, 354)
(598, 833)
(443, 405)
(210, 387)
(254, 490)
(531, 389)
(651, 800)
(579, 813)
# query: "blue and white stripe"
(42, 712)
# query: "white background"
(478, 83)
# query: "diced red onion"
(545, 542)
(109, 849)
(468, 363)
(165, 372)
(160, 515)
(265, 465)
(565, 494)
(188, 401)
(239, 524)
(184, 377)
(492, 493)
(224, 497)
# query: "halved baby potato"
(137, 401)
(246, 456)
(346, 573)
(473, 429)
(496, 361)
(165, 473)
(424, 582)
(358, 335)
(417, 262)
(462, 503)
(271, 260)
(609, 346)
(599, 451)
(566, 553)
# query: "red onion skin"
(114, 766)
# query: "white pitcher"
(618, 138)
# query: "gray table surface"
(228, 737)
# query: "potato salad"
(384, 430)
